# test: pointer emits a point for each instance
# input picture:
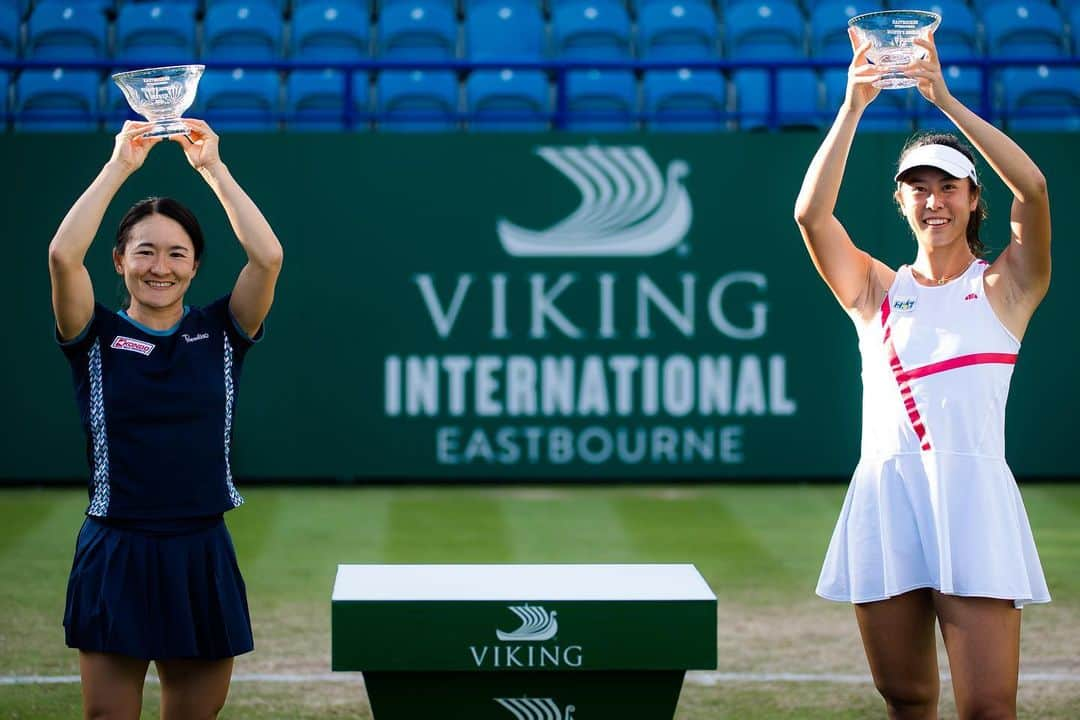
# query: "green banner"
(531, 306)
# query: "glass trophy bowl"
(891, 34)
(161, 95)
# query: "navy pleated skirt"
(157, 591)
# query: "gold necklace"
(944, 278)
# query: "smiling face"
(937, 206)
(157, 262)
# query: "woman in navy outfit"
(154, 575)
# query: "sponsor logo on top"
(904, 304)
(529, 645)
(527, 708)
(132, 345)
(195, 338)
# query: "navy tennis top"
(157, 407)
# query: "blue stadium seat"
(981, 6)
(9, 32)
(505, 30)
(56, 101)
(195, 6)
(829, 26)
(417, 31)
(508, 100)
(684, 100)
(765, 30)
(638, 6)
(957, 37)
(1030, 28)
(889, 112)
(591, 30)
(331, 31)
(468, 6)
(682, 29)
(1042, 98)
(277, 6)
(163, 33)
(363, 6)
(241, 100)
(416, 100)
(601, 101)
(66, 31)
(242, 32)
(102, 6)
(798, 99)
(315, 101)
(965, 84)
(449, 6)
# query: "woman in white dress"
(933, 527)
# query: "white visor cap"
(942, 157)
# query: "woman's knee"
(191, 708)
(194, 690)
(909, 698)
(110, 709)
(988, 708)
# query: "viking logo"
(536, 709)
(628, 209)
(536, 624)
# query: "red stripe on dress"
(961, 361)
(902, 380)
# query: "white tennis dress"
(932, 502)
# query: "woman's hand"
(131, 148)
(927, 71)
(200, 144)
(861, 75)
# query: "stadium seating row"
(1039, 98)
(287, 7)
(245, 31)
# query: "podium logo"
(627, 209)
(536, 709)
(537, 625)
(525, 647)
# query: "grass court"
(783, 652)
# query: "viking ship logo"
(628, 208)
(537, 624)
(526, 708)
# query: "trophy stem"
(166, 127)
(895, 81)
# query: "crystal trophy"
(161, 95)
(891, 34)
